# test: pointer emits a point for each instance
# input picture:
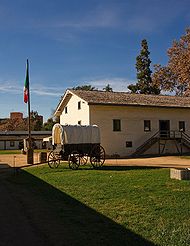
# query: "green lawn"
(17, 151)
(9, 152)
(145, 202)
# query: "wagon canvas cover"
(75, 134)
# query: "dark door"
(164, 126)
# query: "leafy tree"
(36, 121)
(84, 88)
(133, 88)
(47, 126)
(175, 76)
(167, 80)
(144, 83)
(108, 88)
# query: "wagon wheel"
(83, 159)
(97, 156)
(53, 160)
(74, 160)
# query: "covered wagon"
(77, 144)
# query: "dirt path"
(166, 161)
(19, 160)
(16, 160)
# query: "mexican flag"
(26, 84)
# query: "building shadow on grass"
(59, 219)
(4, 166)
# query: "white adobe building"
(12, 140)
(130, 124)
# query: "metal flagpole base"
(30, 157)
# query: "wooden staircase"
(180, 138)
(185, 140)
(146, 145)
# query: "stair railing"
(147, 141)
(172, 134)
(185, 136)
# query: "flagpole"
(30, 159)
(29, 122)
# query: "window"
(12, 143)
(129, 144)
(182, 126)
(147, 126)
(79, 122)
(66, 111)
(116, 125)
(79, 105)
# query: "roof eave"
(137, 105)
(63, 102)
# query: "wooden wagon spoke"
(97, 156)
(74, 160)
(83, 159)
(53, 160)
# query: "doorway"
(164, 127)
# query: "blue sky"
(76, 42)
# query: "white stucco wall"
(132, 125)
(74, 115)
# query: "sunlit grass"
(9, 152)
(17, 151)
(145, 201)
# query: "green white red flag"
(26, 84)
